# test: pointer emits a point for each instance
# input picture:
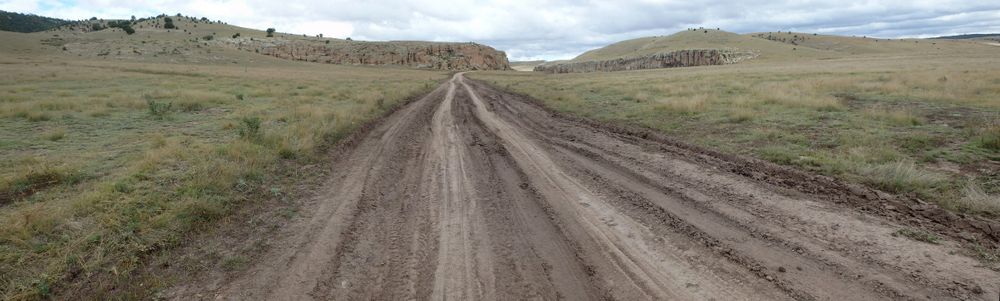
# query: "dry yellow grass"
(93, 176)
(909, 122)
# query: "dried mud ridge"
(472, 193)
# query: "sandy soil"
(472, 193)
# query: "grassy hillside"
(864, 45)
(17, 22)
(907, 119)
(970, 36)
(698, 39)
(110, 161)
(782, 46)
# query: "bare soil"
(473, 193)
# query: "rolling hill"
(698, 47)
(199, 40)
(695, 39)
(843, 45)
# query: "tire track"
(476, 194)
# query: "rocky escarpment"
(432, 55)
(680, 58)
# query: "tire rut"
(475, 193)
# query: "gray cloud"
(554, 29)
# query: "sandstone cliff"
(433, 55)
(680, 58)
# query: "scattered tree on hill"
(237, 35)
(349, 39)
(10, 21)
(168, 23)
(270, 32)
(124, 25)
(96, 26)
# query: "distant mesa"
(693, 47)
(431, 55)
(701, 47)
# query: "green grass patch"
(918, 235)
(161, 151)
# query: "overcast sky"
(539, 29)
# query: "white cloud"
(552, 29)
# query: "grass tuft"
(989, 138)
(901, 177)
(897, 116)
(250, 128)
(55, 135)
(975, 199)
(918, 235)
(31, 180)
(158, 109)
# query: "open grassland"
(922, 125)
(103, 163)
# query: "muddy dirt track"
(471, 193)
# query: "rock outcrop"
(432, 55)
(681, 58)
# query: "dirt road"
(471, 193)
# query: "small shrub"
(158, 109)
(208, 37)
(270, 32)
(55, 135)
(250, 128)
(237, 35)
(240, 96)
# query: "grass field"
(927, 125)
(104, 162)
